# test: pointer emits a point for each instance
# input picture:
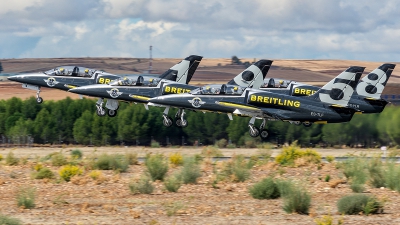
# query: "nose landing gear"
(39, 99)
(100, 110)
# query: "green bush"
(114, 162)
(132, 158)
(173, 183)
(11, 160)
(44, 173)
(355, 170)
(190, 171)
(6, 220)
(357, 203)
(211, 151)
(327, 178)
(265, 189)
(237, 169)
(26, 197)
(1, 157)
(58, 159)
(330, 158)
(376, 172)
(297, 201)
(142, 186)
(222, 143)
(68, 171)
(157, 166)
(76, 154)
(391, 176)
(154, 144)
(285, 187)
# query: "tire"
(255, 133)
(101, 112)
(39, 100)
(184, 123)
(178, 122)
(112, 113)
(167, 122)
(264, 134)
(307, 124)
(297, 123)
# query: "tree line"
(71, 121)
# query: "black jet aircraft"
(63, 78)
(140, 88)
(183, 72)
(366, 98)
(329, 104)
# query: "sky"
(272, 29)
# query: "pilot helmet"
(235, 88)
(281, 82)
(61, 69)
(87, 71)
(151, 80)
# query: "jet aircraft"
(366, 97)
(329, 104)
(63, 78)
(253, 75)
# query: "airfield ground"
(109, 201)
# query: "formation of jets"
(249, 94)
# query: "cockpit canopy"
(217, 89)
(276, 83)
(75, 71)
(136, 80)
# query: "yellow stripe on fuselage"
(143, 98)
(237, 106)
(321, 122)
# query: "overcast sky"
(274, 29)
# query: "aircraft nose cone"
(14, 78)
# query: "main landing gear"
(112, 107)
(39, 99)
(180, 120)
(255, 132)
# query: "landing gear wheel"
(39, 100)
(264, 134)
(178, 122)
(101, 112)
(112, 113)
(254, 132)
(297, 123)
(184, 123)
(307, 124)
(167, 121)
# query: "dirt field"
(316, 72)
(109, 201)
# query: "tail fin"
(339, 90)
(372, 85)
(254, 75)
(183, 71)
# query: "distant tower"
(151, 60)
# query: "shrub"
(38, 167)
(11, 160)
(142, 186)
(1, 157)
(176, 159)
(354, 170)
(311, 156)
(222, 143)
(76, 154)
(132, 158)
(173, 183)
(298, 201)
(211, 151)
(357, 203)
(68, 171)
(237, 169)
(44, 173)
(157, 166)
(265, 189)
(288, 155)
(330, 158)
(154, 144)
(26, 197)
(58, 159)
(285, 187)
(114, 162)
(6, 220)
(173, 208)
(391, 176)
(328, 220)
(95, 174)
(376, 175)
(327, 178)
(190, 171)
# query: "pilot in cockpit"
(60, 71)
(282, 84)
(86, 73)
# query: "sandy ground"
(109, 201)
